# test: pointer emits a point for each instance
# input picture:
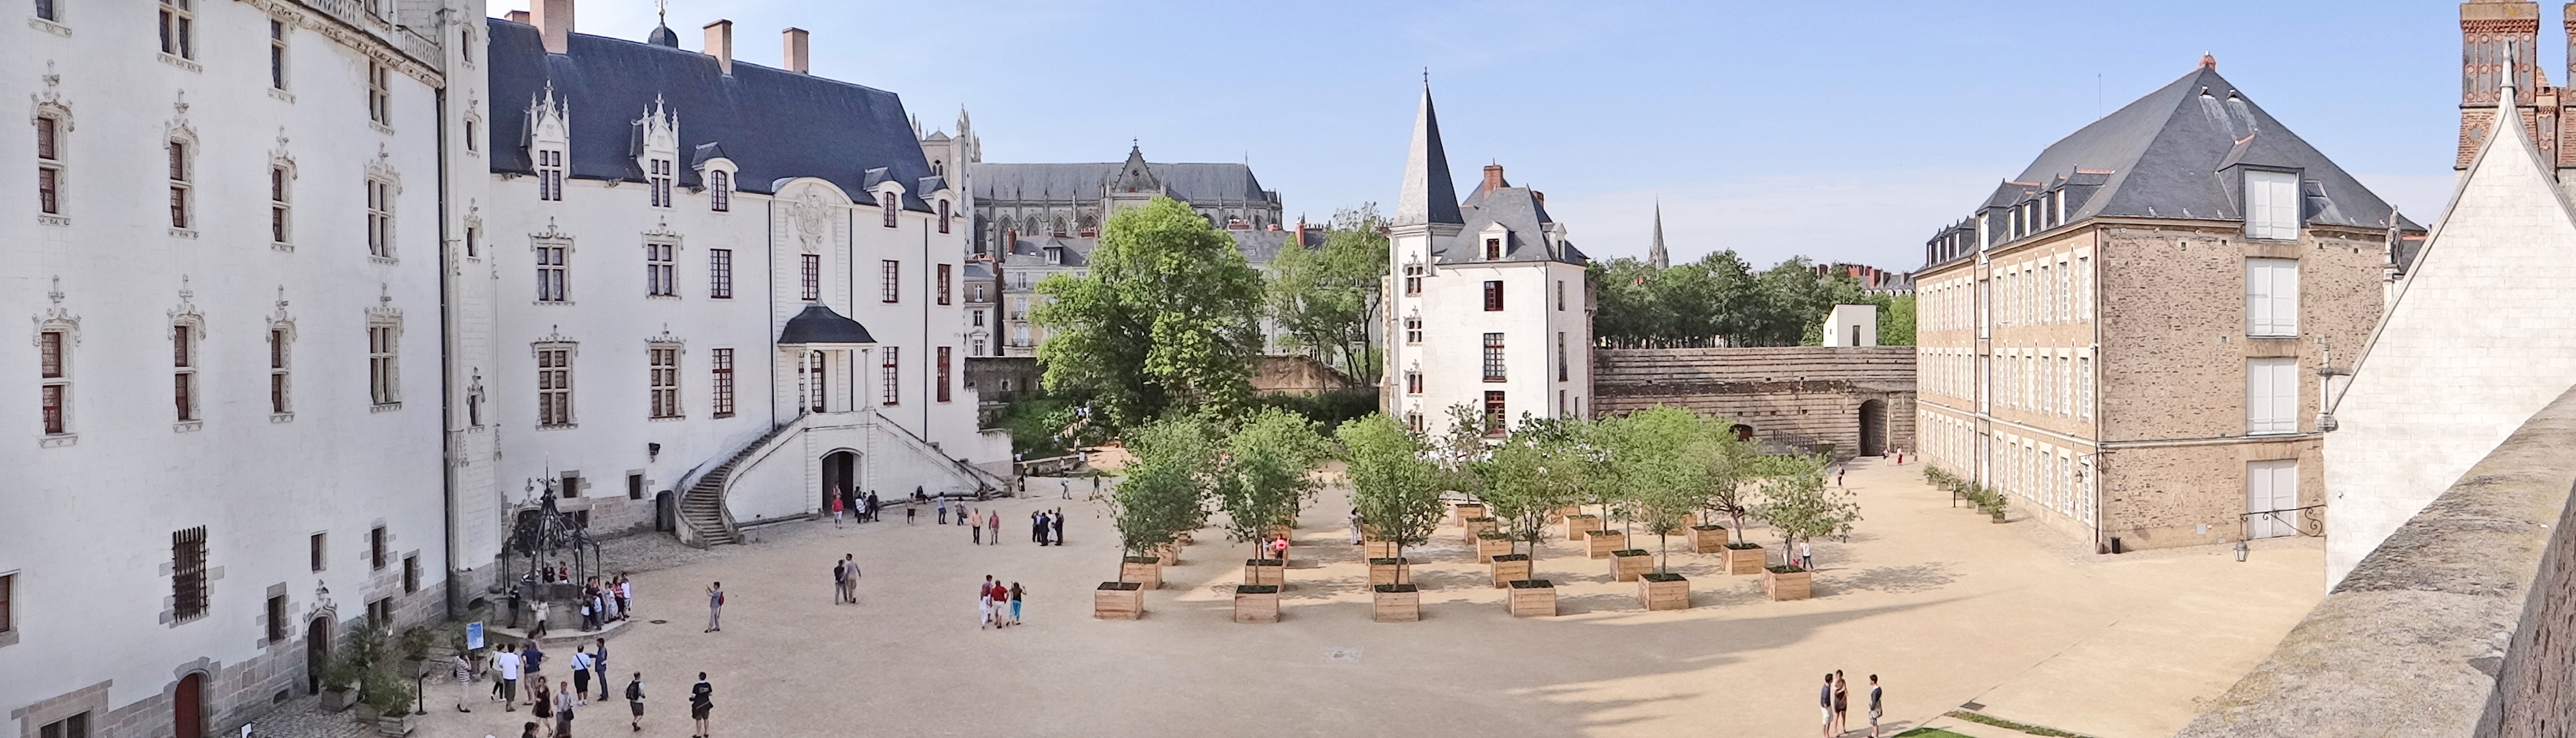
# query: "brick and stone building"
(1488, 305)
(1859, 401)
(2125, 338)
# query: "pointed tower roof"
(1135, 175)
(1427, 196)
(1655, 254)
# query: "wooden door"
(187, 707)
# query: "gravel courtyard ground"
(1944, 606)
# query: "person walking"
(715, 607)
(1875, 709)
(543, 706)
(974, 530)
(840, 581)
(1838, 473)
(625, 596)
(1055, 527)
(702, 700)
(510, 665)
(984, 611)
(1806, 556)
(464, 680)
(539, 609)
(850, 583)
(1016, 593)
(911, 514)
(836, 508)
(563, 715)
(532, 660)
(1355, 526)
(993, 520)
(942, 508)
(635, 701)
(527, 731)
(589, 617)
(1842, 704)
(580, 694)
(876, 507)
(599, 666)
(1825, 706)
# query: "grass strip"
(2002, 723)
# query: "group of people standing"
(866, 509)
(1046, 527)
(1834, 701)
(552, 706)
(998, 605)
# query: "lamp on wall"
(652, 451)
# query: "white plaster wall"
(86, 527)
(1451, 355)
(2471, 348)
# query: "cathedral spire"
(1427, 196)
(1655, 254)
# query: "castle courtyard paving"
(1944, 606)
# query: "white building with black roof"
(1488, 304)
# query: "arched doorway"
(1742, 432)
(840, 472)
(1873, 428)
(317, 653)
(188, 707)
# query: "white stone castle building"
(1488, 306)
(322, 293)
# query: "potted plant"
(1118, 601)
(1395, 603)
(1663, 590)
(1538, 469)
(1265, 472)
(1163, 495)
(1479, 525)
(1256, 603)
(1745, 557)
(1467, 511)
(1142, 570)
(1993, 503)
(1798, 504)
(1490, 545)
(1507, 568)
(1627, 563)
(1708, 538)
(1601, 542)
(1532, 598)
(1579, 526)
(1667, 462)
(1397, 488)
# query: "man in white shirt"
(508, 662)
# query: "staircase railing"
(689, 534)
(981, 477)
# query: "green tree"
(1656, 464)
(1393, 480)
(1325, 298)
(1267, 473)
(1895, 320)
(1537, 470)
(1167, 317)
(1167, 484)
(1798, 504)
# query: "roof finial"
(2208, 61)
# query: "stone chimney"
(1541, 197)
(554, 23)
(1494, 177)
(720, 44)
(516, 16)
(796, 59)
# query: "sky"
(1838, 131)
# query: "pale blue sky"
(1843, 131)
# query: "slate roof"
(1263, 246)
(2178, 153)
(1258, 247)
(1524, 219)
(1427, 195)
(774, 124)
(819, 324)
(1195, 183)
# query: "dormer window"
(943, 216)
(886, 203)
(1493, 249)
(657, 177)
(550, 174)
(2271, 205)
(719, 190)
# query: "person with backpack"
(635, 700)
(702, 700)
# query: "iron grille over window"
(188, 573)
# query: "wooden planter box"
(1796, 585)
(1533, 598)
(1563, 512)
(1576, 526)
(1396, 603)
(1510, 568)
(1480, 526)
(1169, 553)
(1605, 541)
(1490, 545)
(1271, 572)
(1663, 592)
(1145, 570)
(1256, 603)
(1118, 601)
(1465, 510)
(1625, 565)
(1380, 549)
(1748, 560)
(1384, 570)
(1708, 539)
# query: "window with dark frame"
(658, 267)
(886, 203)
(1493, 295)
(473, 237)
(720, 274)
(1412, 329)
(54, 370)
(890, 280)
(1413, 383)
(1560, 356)
(45, 11)
(380, 96)
(893, 376)
(411, 574)
(944, 278)
(550, 174)
(76, 726)
(1560, 295)
(376, 547)
(183, 371)
(1413, 279)
(1493, 249)
(380, 218)
(49, 165)
(943, 216)
(179, 28)
(276, 617)
(1494, 357)
(384, 380)
(180, 187)
(1496, 423)
(554, 387)
(553, 273)
(188, 573)
(277, 54)
(665, 378)
(321, 550)
(634, 485)
(810, 268)
(943, 372)
(278, 209)
(380, 613)
(657, 179)
(8, 602)
(719, 190)
(722, 394)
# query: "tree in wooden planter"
(1733, 465)
(1394, 482)
(1538, 469)
(1396, 603)
(1164, 493)
(1799, 505)
(1267, 470)
(1660, 461)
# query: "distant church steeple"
(1427, 196)
(1655, 254)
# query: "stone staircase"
(702, 507)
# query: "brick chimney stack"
(1494, 177)
(796, 59)
(720, 44)
(554, 23)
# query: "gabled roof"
(1524, 221)
(2167, 155)
(819, 324)
(1196, 183)
(1263, 246)
(774, 124)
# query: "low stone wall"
(1790, 395)
(2456, 625)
